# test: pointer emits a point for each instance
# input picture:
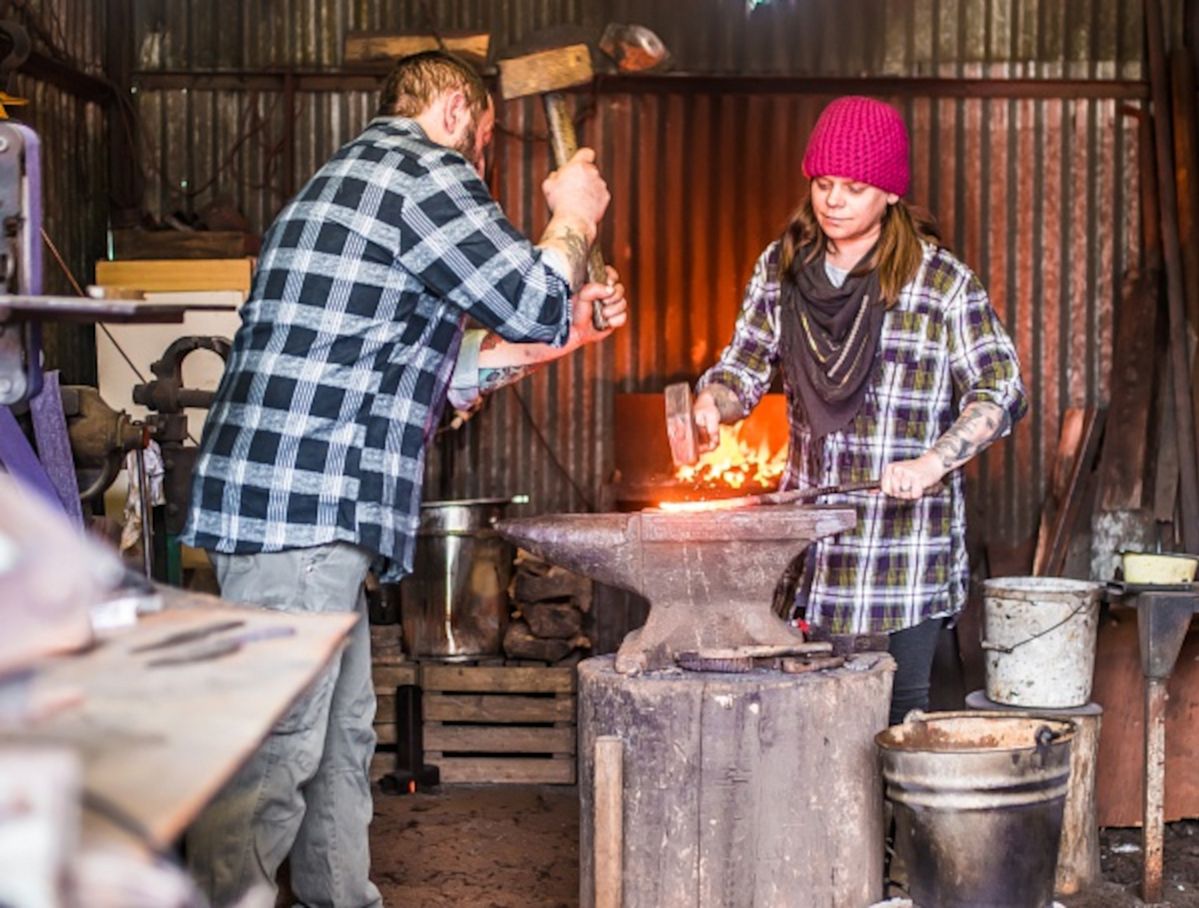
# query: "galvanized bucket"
(978, 801)
(1040, 640)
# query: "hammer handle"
(564, 144)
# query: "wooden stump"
(740, 789)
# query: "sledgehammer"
(548, 73)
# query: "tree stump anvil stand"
(756, 788)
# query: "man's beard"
(466, 145)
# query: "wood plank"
(177, 274)
(1080, 450)
(160, 742)
(609, 821)
(499, 739)
(388, 677)
(377, 47)
(497, 708)
(137, 244)
(505, 769)
(386, 733)
(1118, 689)
(1068, 445)
(385, 707)
(1122, 467)
(501, 679)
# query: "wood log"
(560, 620)
(559, 583)
(520, 643)
(728, 794)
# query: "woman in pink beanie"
(895, 366)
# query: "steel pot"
(455, 602)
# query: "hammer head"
(544, 71)
(681, 430)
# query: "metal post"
(1153, 830)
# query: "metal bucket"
(978, 801)
(1040, 640)
(455, 602)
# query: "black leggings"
(913, 649)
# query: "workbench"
(156, 743)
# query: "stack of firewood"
(548, 605)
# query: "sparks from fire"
(739, 462)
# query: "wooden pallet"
(389, 673)
(499, 723)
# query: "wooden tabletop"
(158, 742)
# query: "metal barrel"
(978, 801)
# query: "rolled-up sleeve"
(746, 365)
(982, 358)
(457, 241)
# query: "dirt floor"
(516, 846)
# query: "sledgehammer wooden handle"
(564, 144)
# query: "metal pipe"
(143, 488)
(1153, 829)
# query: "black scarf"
(829, 340)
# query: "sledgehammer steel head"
(681, 430)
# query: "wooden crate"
(389, 673)
(500, 723)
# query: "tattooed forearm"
(980, 424)
(572, 245)
(492, 378)
(727, 402)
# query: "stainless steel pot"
(455, 602)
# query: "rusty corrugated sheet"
(1037, 195)
(1034, 38)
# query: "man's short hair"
(418, 80)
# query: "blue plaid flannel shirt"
(339, 371)
(942, 347)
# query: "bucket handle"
(1002, 648)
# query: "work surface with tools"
(159, 730)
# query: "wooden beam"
(376, 47)
(362, 79)
(62, 75)
(125, 184)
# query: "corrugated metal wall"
(1038, 195)
(74, 163)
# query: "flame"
(738, 462)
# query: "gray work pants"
(306, 791)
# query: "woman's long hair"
(897, 256)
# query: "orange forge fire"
(745, 460)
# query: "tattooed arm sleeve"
(980, 424)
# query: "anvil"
(709, 575)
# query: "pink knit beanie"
(860, 139)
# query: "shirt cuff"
(555, 262)
(463, 392)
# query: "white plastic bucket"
(1039, 639)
